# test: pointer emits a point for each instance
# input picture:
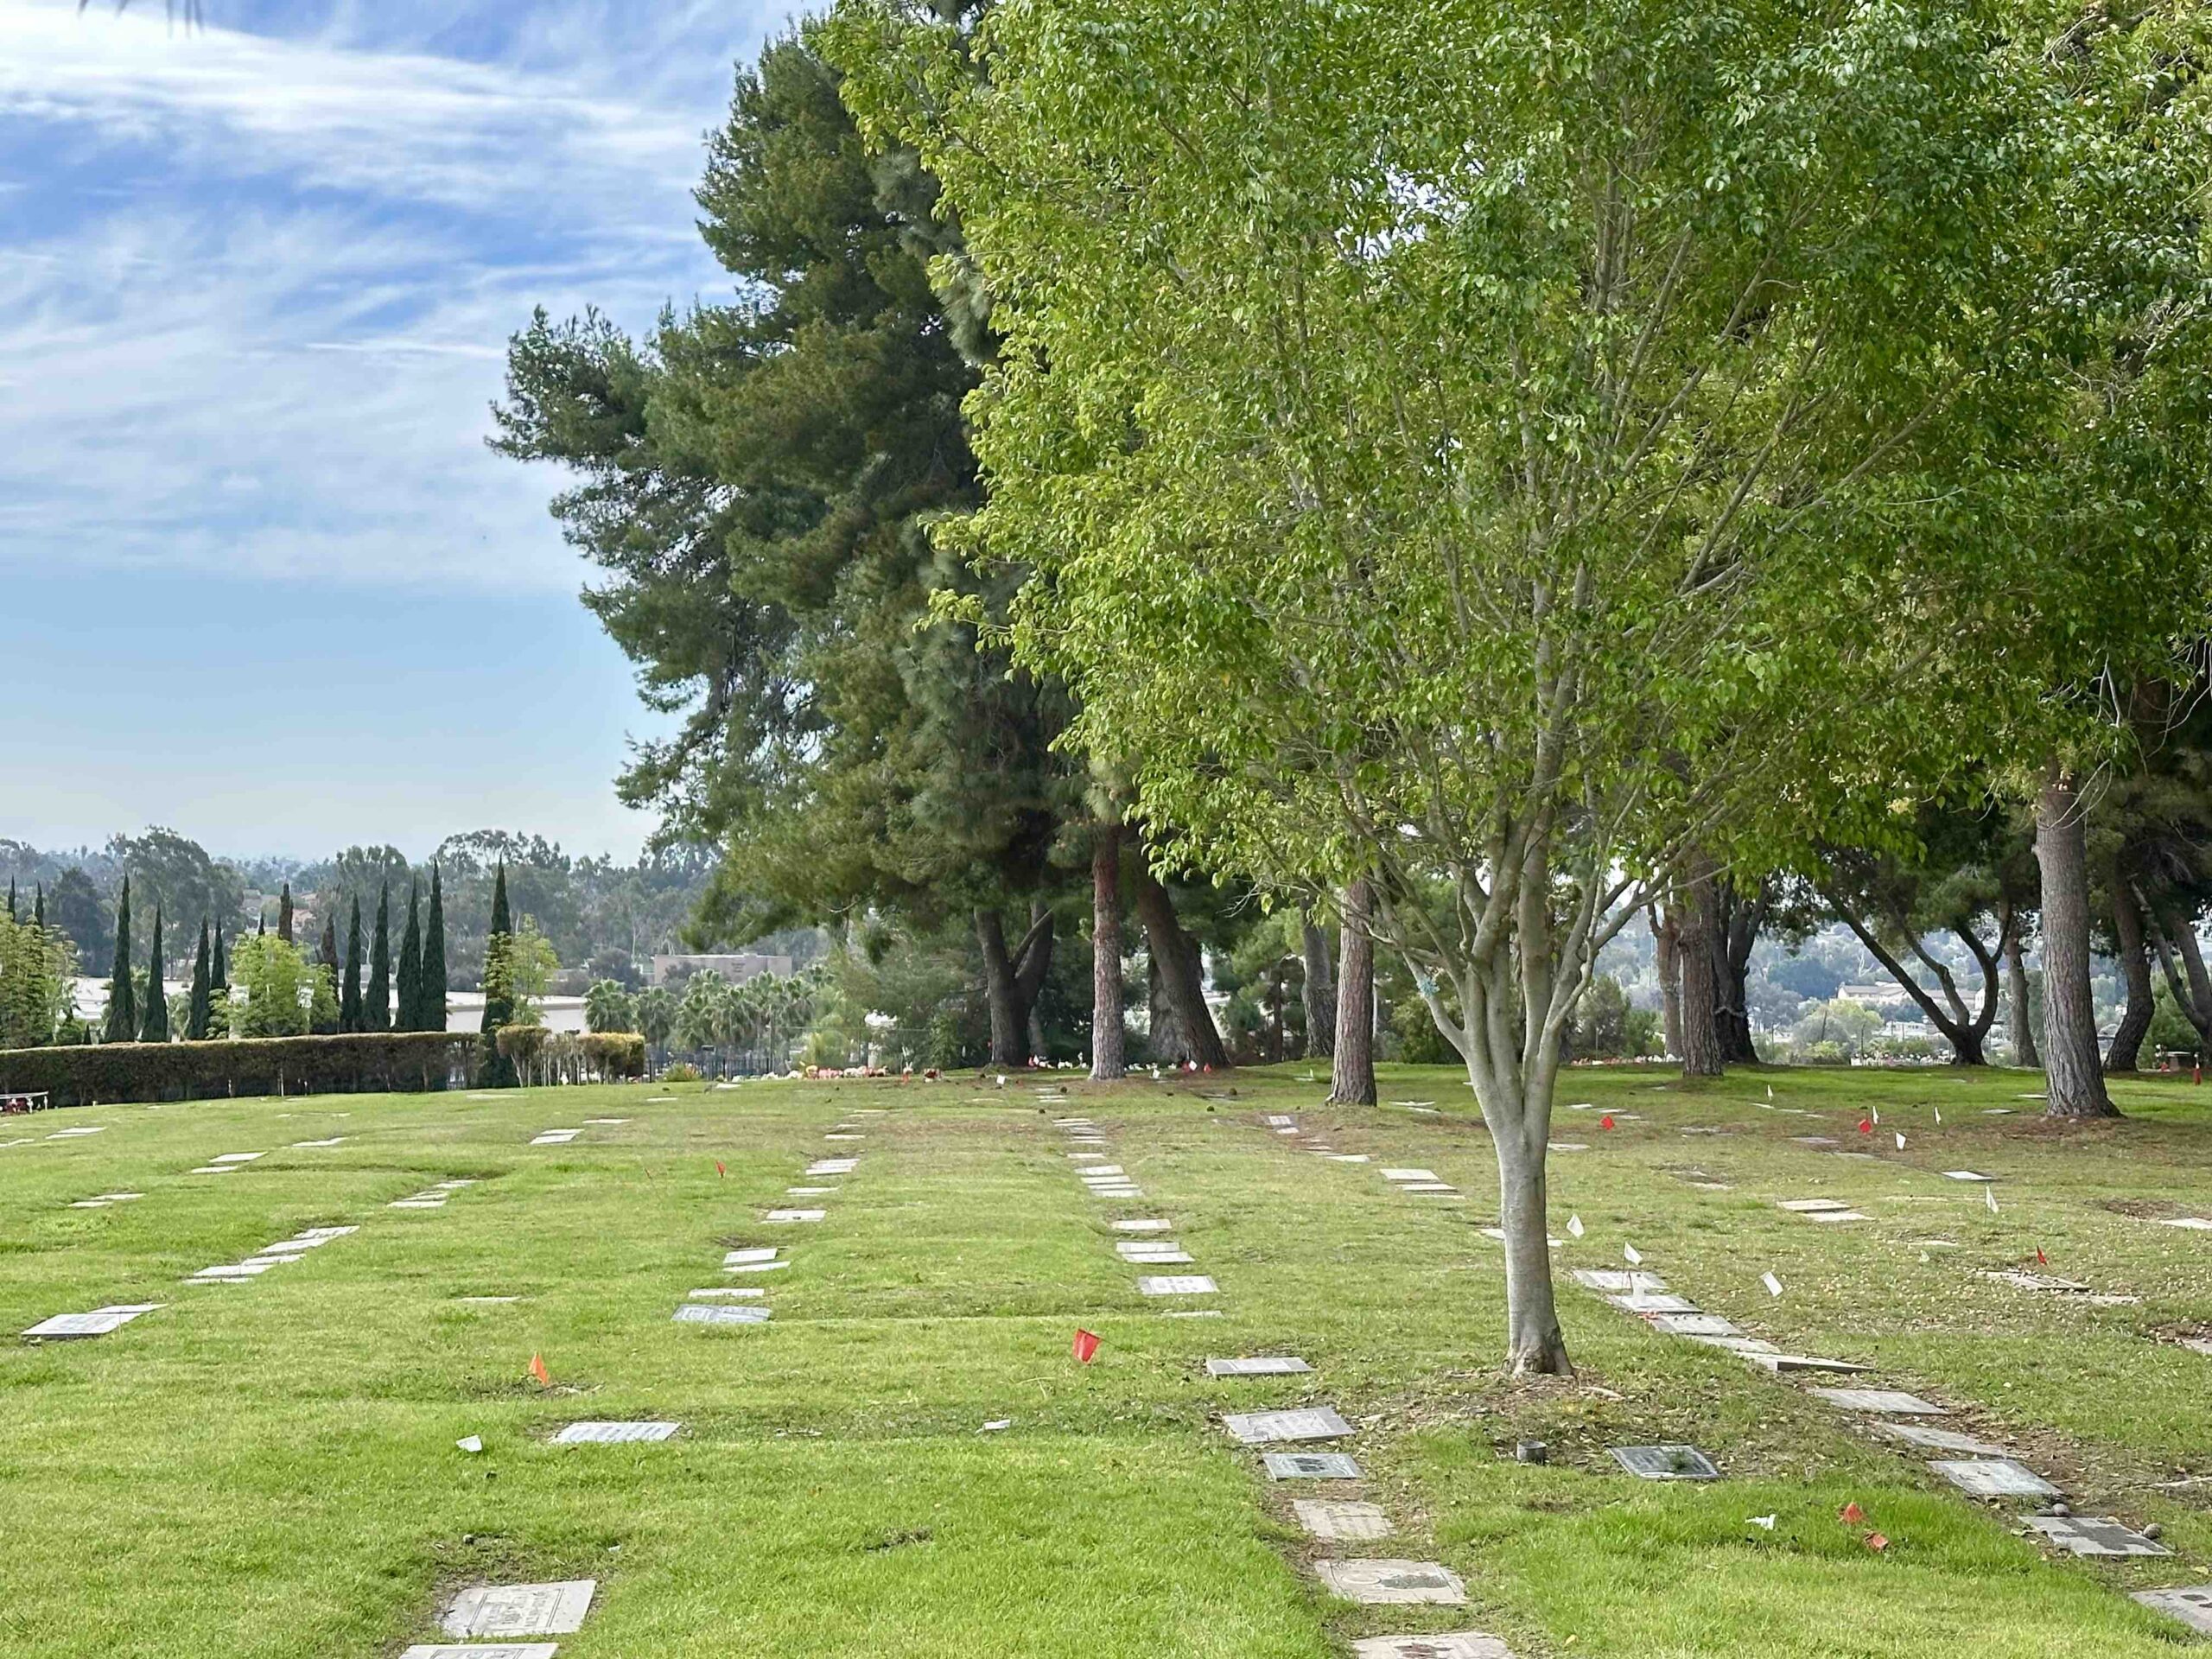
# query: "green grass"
(268, 1468)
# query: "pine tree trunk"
(1033, 965)
(1351, 1081)
(1701, 1056)
(1732, 964)
(2072, 1065)
(1108, 1060)
(999, 992)
(1320, 993)
(1666, 938)
(2020, 1009)
(1182, 980)
(2127, 1050)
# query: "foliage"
(37, 968)
(607, 1007)
(279, 988)
(121, 1020)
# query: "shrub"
(398, 1061)
(680, 1072)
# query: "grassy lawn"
(268, 1468)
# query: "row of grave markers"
(498, 1612)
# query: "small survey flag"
(1086, 1347)
(537, 1369)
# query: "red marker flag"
(2041, 1261)
(1086, 1346)
(1877, 1542)
(1606, 1122)
(537, 1369)
(1851, 1514)
(1866, 1125)
(721, 1168)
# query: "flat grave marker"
(1324, 1519)
(1994, 1477)
(1409, 1175)
(715, 1313)
(100, 1322)
(1965, 1175)
(1692, 1324)
(1177, 1284)
(1810, 1206)
(1264, 1365)
(1615, 1280)
(603, 1433)
(2192, 1606)
(479, 1650)
(786, 1217)
(2080, 1534)
(1147, 1225)
(1942, 1440)
(1270, 1427)
(1783, 1363)
(752, 1254)
(496, 1610)
(1161, 1257)
(1309, 1465)
(724, 1294)
(1456, 1645)
(1381, 1582)
(1665, 1462)
(1890, 1402)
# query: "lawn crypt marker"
(1309, 1465)
(1942, 1440)
(2094, 1535)
(477, 1651)
(496, 1609)
(1889, 1402)
(1339, 1522)
(591, 1433)
(100, 1322)
(2193, 1606)
(1459, 1644)
(1268, 1427)
(1665, 1462)
(1177, 1284)
(715, 1313)
(1994, 1477)
(1382, 1583)
(1270, 1365)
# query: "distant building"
(465, 1012)
(1874, 995)
(735, 969)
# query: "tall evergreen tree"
(349, 997)
(218, 968)
(11, 898)
(328, 958)
(155, 1024)
(284, 914)
(195, 1025)
(38, 906)
(376, 1009)
(499, 991)
(122, 997)
(434, 957)
(409, 970)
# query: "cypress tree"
(11, 898)
(375, 1011)
(349, 997)
(218, 972)
(122, 999)
(38, 906)
(432, 980)
(195, 1025)
(284, 914)
(155, 1028)
(329, 960)
(499, 1001)
(409, 971)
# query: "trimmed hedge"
(382, 1060)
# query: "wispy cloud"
(254, 287)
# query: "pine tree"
(498, 997)
(375, 1011)
(284, 914)
(349, 997)
(195, 1025)
(409, 971)
(122, 997)
(329, 960)
(156, 1027)
(433, 977)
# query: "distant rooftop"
(736, 968)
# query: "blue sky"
(259, 578)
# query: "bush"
(383, 1060)
(680, 1072)
(1420, 1043)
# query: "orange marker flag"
(721, 1168)
(537, 1369)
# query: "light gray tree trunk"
(2072, 1066)
(1666, 938)
(1108, 1060)
(2020, 1006)
(1352, 1079)
(1320, 993)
